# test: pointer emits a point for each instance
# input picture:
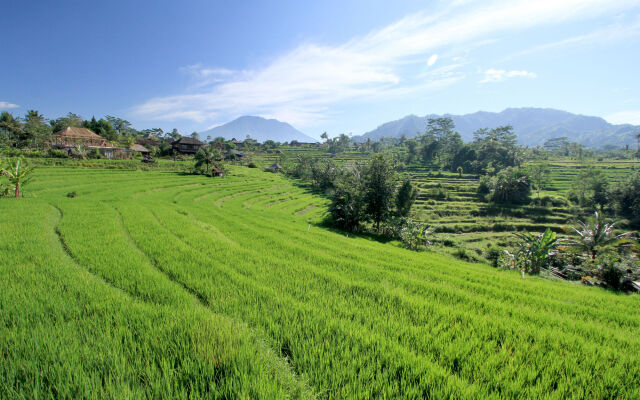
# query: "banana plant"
(532, 253)
(18, 174)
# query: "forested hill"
(532, 125)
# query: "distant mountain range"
(258, 128)
(533, 126)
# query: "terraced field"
(157, 284)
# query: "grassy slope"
(152, 283)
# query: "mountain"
(532, 125)
(258, 128)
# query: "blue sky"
(335, 66)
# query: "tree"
(380, 186)
(10, 129)
(443, 140)
(18, 173)
(195, 135)
(412, 150)
(70, 119)
(595, 235)
(325, 136)
(36, 128)
(539, 174)
(509, 186)
(347, 208)
(590, 188)
(625, 199)
(103, 128)
(174, 134)
(206, 157)
(558, 146)
(405, 198)
(122, 126)
(269, 144)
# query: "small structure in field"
(139, 148)
(146, 153)
(215, 171)
(187, 145)
(275, 168)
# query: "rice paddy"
(160, 284)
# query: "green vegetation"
(124, 279)
(156, 284)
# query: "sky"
(330, 66)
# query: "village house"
(187, 145)
(70, 137)
(74, 135)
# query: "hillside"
(164, 285)
(532, 125)
(257, 128)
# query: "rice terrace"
(196, 246)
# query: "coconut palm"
(18, 174)
(207, 156)
(594, 235)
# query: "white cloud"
(498, 75)
(624, 117)
(302, 85)
(6, 105)
(615, 32)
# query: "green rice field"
(119, 283)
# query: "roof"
(140, 148)
(276, 166)
(77, 132)
(188, 140)
(218, 170)
(237, 153)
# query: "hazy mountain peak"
(258, 128)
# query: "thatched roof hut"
(74, 135)
(140, 148)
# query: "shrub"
(71, 195)
(56, 153)
(493, 255)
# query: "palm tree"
(638, 143)
(594, 235)
(207, 156)
(18, 174)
